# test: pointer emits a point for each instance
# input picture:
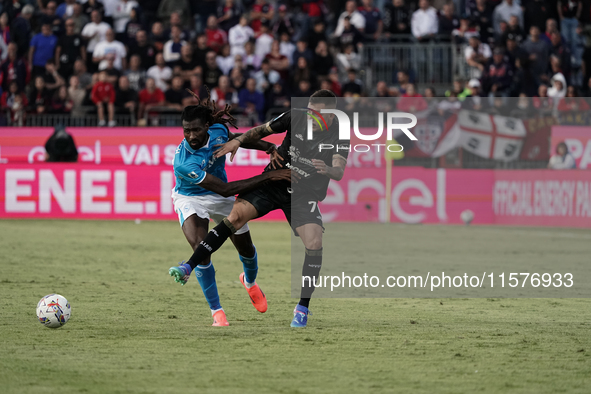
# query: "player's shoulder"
(218, 131)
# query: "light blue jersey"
(191, 166)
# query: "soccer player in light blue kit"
(202, 192)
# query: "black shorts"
(299, 208)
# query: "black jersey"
(298, 151)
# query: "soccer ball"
(467, 216)
(53, 311)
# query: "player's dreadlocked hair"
(207, 111)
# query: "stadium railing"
(432, 64)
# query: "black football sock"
(212, 242)
(311, 270)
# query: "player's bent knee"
(314, 243)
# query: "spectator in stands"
(560, 50)
(60, 102)
(286, 47)
(93, 5)
(396, 20)
(503, 13)
(122, 15)
(261, 14)
(239, 64)
(157, 36)
(65, 9)
(323, 60)
(578, 47)
(150, 97)
(21, 30)
(172, 48)
(94, 32)
(69, 49)
(349, 59)
(211, 71)
(112, 73)
(42, 49)
(187, 64)
(424, 23)
(304, 89)
(201, 49)
(224, 93)
(558, 88)
(196, 85)
(14, 101)
(136, 75)
(535, 13)
(302, 72)
(174, 95)
(134, 24)
(448, 22)
(160, 73)
(477, 54)
(277, 61)
(538, 53)
(39, 97)
(77, 94)
(284, 23)
(49, 17)
(278, 98)
(141, 47)
(302, 50)
(240, 35)
(263, 41)
(13, 69)
(551, 27)
(563, 159)
(498, 74)
(52, 78)
(103, 94)
(542, 102)
(229, 14)
(572, 102)
(251, 59)
(355, 18)
(462, 34)
(84, 77)
(176, 20)
(252, 101)
(353, 85)
(266, 77)
(4, 35)
(314, 36)
(167, 7)
(237, 80)
(80, 19)
(481, 15)
(225, 60)
(412, 101)
(110, 49)
(373, 20)
(514, 29)
(349, 35)
(216, 37)
(569, 12)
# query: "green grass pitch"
(133, 330)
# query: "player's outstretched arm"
(265, 146)
(335, 172)
(250, 137)
(224, 189)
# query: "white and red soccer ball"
(53, 311)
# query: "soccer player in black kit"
(313, 163)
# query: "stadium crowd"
(137, 57)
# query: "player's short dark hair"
(324, 96)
